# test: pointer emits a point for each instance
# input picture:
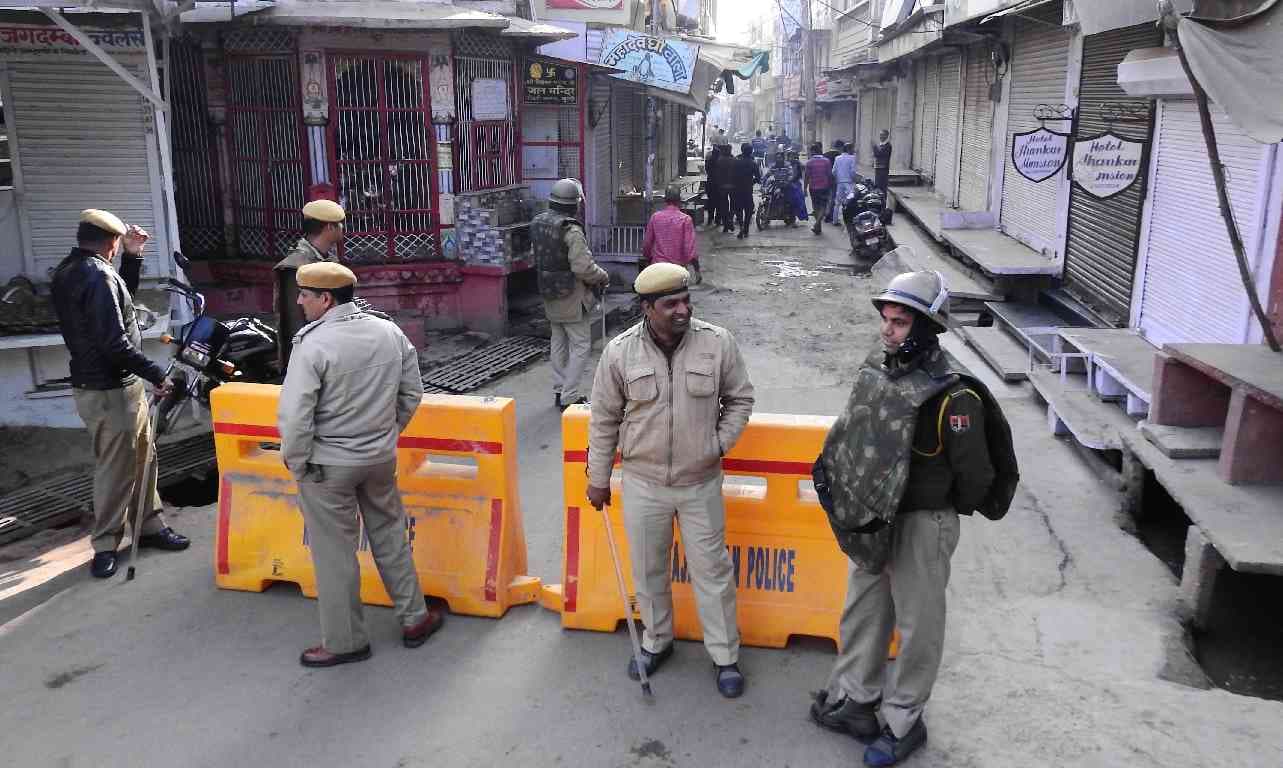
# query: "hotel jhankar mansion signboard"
(1106, 165)
(1039, 154)
(654, 61)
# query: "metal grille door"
(268, 150)
(1100, 253)
(197, 199)
(487, 156)
(383, 155)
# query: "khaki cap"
(662, 279)
(324, 276)
(324, 210)
(105, 220)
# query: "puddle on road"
(790, 269)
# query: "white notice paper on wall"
(489, 99)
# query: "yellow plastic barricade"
(790, 574)
(457, 471)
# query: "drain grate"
(470, 370)
(65, 498)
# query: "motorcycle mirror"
(182, 261)
(145, 317)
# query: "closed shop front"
(84, 139)
(927, 112)
(1039, 65)
(1190, 289)
(946, 174)
(1100, 253)
(977, 131)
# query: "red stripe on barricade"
(247, 430)
(428, 443)
(766, 467)
(571, 594)
(575, 457)
(450, 444)
(492, 551)
(224, 524)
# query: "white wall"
(46, 410)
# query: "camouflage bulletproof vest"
(867, 451)
(552, 258)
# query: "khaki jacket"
(672, 421)
(351, 387)
(289, 315)
(571, 309)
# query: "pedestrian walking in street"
(759, 151)
(672, 393)
(746, 175)
(322, 231)
(844, 174)
(900, 529)
(713, 188)
(353, 386)
(882, 160)
(670, 235)
(832, 156)
(796, 195)
(726, 176)
(569, 283)
(99, 325)
(818, 176)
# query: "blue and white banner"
(654, 61)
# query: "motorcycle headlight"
(196, 358)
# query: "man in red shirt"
(817, 176)
(670, 235)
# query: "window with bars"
(197, 199)
(487, 145)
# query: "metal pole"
(650, 120)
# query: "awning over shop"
(1237, 63)
(533, 30)
(922, 28)
(1094, 18)
(375, 14)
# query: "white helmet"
(925, 292)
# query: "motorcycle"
(776, 203)
(209, 353)
(865, 230)
(872, 199)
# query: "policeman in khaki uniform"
(322, 230)
(352, 387)
(568, 278)
(672, 394)
(914, 401)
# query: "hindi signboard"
(653, 61)
(1039, 154)
(1106, 164)
(548, 82)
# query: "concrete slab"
(1184, 442)
(1247, 365)
(1006, 356)
(924, 207)
(1123, 352)
(1243, 522)
(999, 255)
(1092, 423)
(963, 282)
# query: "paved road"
(1060, 626)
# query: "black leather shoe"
(165, 539)
(889, 750)
(320, 657)
(846, 716)
(653, 662)
(104, 565)
(730, 681)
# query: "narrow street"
(1062, 649)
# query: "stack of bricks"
(490, 227)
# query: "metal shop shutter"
(1192, 291)
(599, 181)
(919, 101)
(1039, 65)
(946, 177)
(84, 141)
(977, 132)
(1100, 253)
(629, 132)
(930, 112)
(868, 106)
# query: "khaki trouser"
(331, 497)
(119, 426)
(648, 519)
(571, 344)
(908, 594)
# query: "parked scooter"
(872, 199)
(864, 228)
(209, 352)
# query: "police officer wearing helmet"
(672, 393)
(322, 230)
(569, 281)
(351, 388)
(921, 441)
(108, 369)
